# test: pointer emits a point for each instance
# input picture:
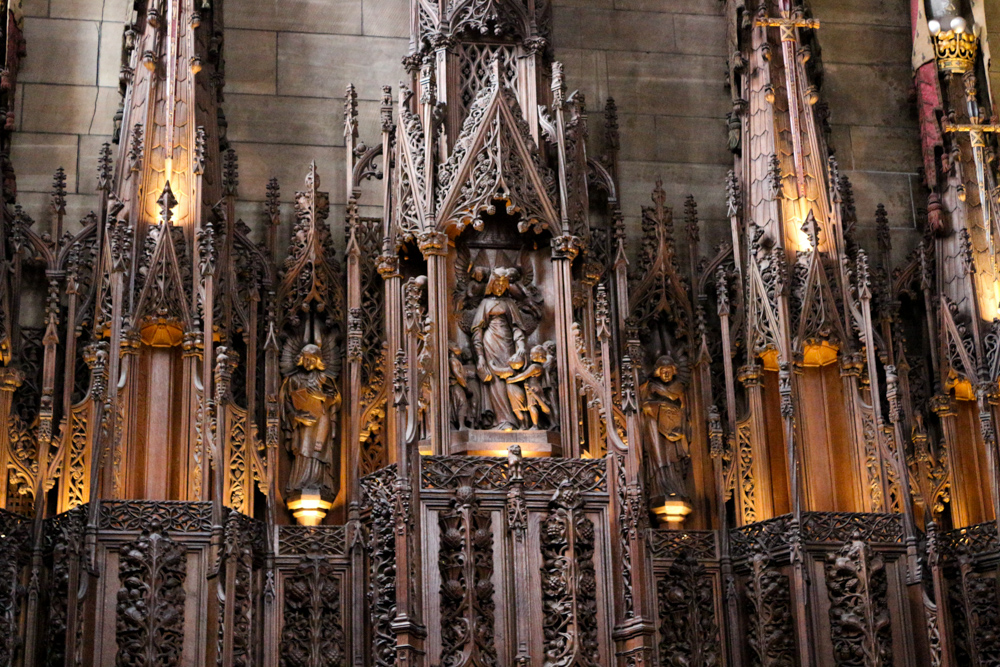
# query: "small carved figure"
(425, 392)
(458, 387)
(310, 403)
(533, 394)
(664, 423)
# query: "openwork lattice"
(475, 66)
(173, 515)
(841, 526)
(491, 474)
(303, 540)
(667, 544)
(975, 541)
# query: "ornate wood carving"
(689, 628)
(313, 633)
(466, 564)
(770, 634)
(150, 611)
(569, 604)
(859, 616)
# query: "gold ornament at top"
(955, 51)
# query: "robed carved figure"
(310, 402)
(665, 426)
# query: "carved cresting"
(466, 563)
(150, 610)
(313, 634)
(569, 586)
(859, 615)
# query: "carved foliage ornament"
(466, 564)
(313, 634)
(150, 610)
(569, 587)
(859, 614)
(689, 630)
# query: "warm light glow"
(673, 512)
(819, 354)
(796, 211)
(309, 509)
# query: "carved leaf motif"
(859, 615)
(689, 630)
(313, 634)
(150, 610)
(569, 603)
(466, 564)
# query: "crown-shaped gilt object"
(955, 51)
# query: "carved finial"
(834, 171)
(863, 276)
(722, 291)
(104, 172)
(882, 231)
(691, 220)
(558, 85)
(135, 147)
(733, 196)
(629, 403)
(59, 192)
(121, 244)
(385, 112)
(926, 270)
(199, 151)
(601, 313)
(272, 205)
(167, 202)
(350, 112)
(611, 124)
(206, 249)
(965, 250)
(399, 379)
(775, 176)
(230, 173)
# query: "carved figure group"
(511, 384)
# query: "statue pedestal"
(495, 443)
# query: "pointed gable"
(495, 160)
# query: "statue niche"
(310, 316)
(501, 369)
